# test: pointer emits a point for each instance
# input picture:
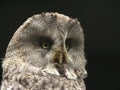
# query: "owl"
(46, 53)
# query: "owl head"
(52, 41)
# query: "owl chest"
(28, 81)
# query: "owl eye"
(67, 46)
(45, 42)
(45, 45)
(72, 43)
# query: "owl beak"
(60, 61)
(60, 57)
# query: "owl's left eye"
(45, 42)
(45, 45)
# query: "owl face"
(52, 41)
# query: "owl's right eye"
(67, 46)
(45, 42)
(72, 43)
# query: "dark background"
(100, 21)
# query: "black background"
(100, 21)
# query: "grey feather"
(46, 53)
